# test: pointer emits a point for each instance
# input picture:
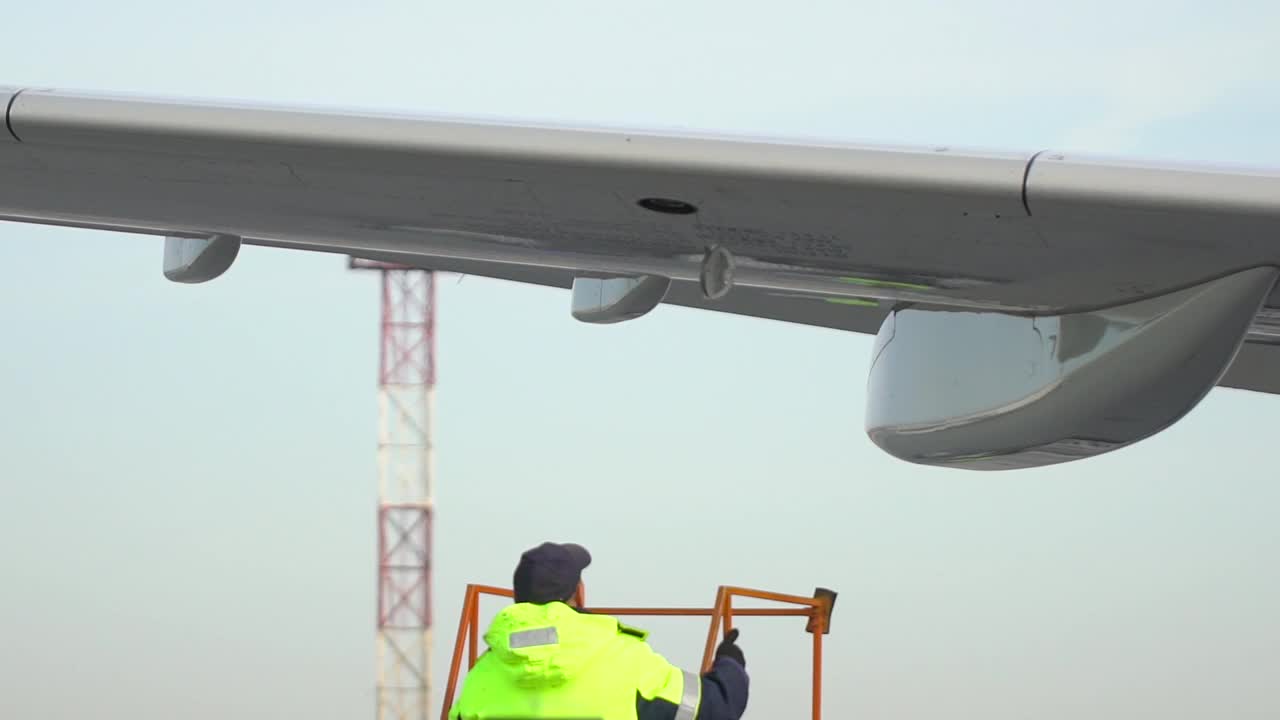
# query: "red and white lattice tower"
(406, 386)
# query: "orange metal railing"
(816, 609)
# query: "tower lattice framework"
(406, 384)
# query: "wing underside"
(825, 234)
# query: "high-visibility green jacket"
(552, 661)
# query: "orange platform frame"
(817, 609)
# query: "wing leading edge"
(826, 234)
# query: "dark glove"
(729, 649)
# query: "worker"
(548, 658)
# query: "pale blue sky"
(186, 511)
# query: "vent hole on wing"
(667, 206)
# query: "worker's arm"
(719, 694)
(724, 687)
(724, 691)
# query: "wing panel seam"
(8, 115)
(1026, 180)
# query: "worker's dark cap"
(549, 572)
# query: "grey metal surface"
(101, 121)
(1256, 367)
(197, 260)
(1061, 187)
(989, 391)
(752, 302)
(6, 98)
(612, 300)
(798, 217)
(537, 196)
(825, 234)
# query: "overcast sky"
(187, 474)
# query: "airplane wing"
(1028, 308)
